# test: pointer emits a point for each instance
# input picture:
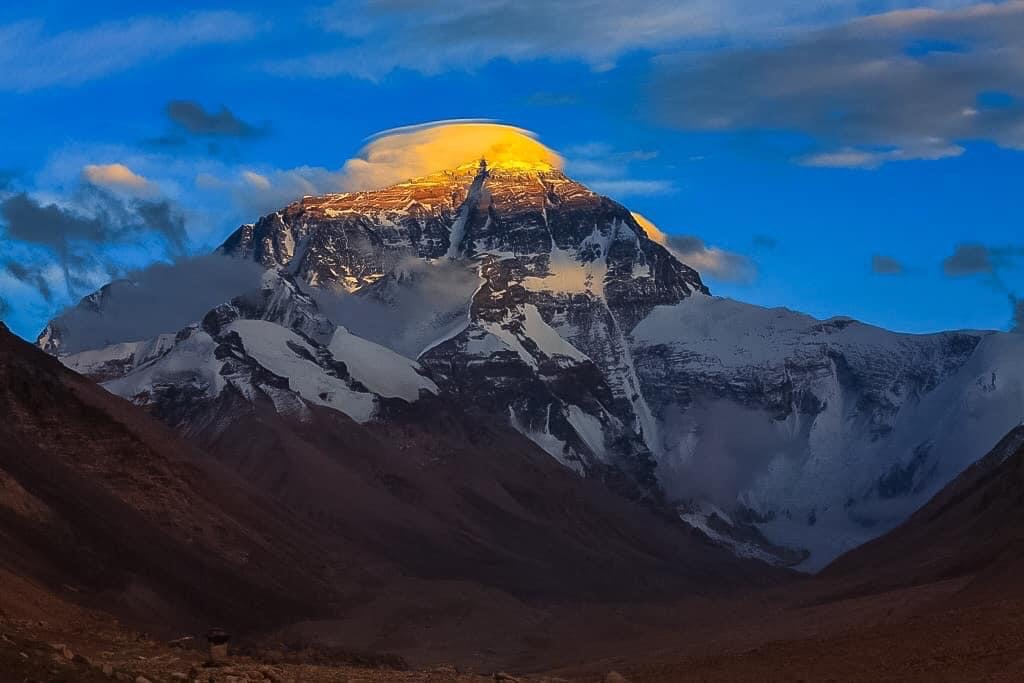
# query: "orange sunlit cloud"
(403, 153)
(117, 176)
(651, 229)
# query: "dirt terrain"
(121, 543)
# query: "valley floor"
(939, 632)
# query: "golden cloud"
(651, 229)
(403, 153)
(115, 176)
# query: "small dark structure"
(218, 639)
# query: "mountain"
(419, 490)
(422, 531)
(102, 502)
(528, 301)
(972, 528)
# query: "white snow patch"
(589, 429)
(700, 519)
(267, 344)
(547, 339)
(190, 362)
(127, 354)
(380, 370)
(550, 443)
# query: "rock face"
(561, 276)
(525, 298)
(822, 434)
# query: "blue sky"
(840, 157)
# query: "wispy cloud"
(714, 262)
(609, 171)
(625, 187)
(32, 57)
(906, 85)
(379, 36)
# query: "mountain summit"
(526, 299)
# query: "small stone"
(81, 659)
(615, 677)
(23, 655)
(142, 679)
(503, 677)
(108, 670)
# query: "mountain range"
(533, 303)
(490, 417)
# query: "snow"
(268, 344)
(128, 354)
(548, 341)
(550, 443)
(699, 518)
(589, 429)
(190, 362)
(546, 338)
(567, 274)
(380, 370)
(458, 231)
(889, 405)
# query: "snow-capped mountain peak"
(522, 295)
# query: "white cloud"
(631, 188)
(379, 37)
(256, 180)
(609, 171)
(32, 58)
(850, 157)
(900, 86)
